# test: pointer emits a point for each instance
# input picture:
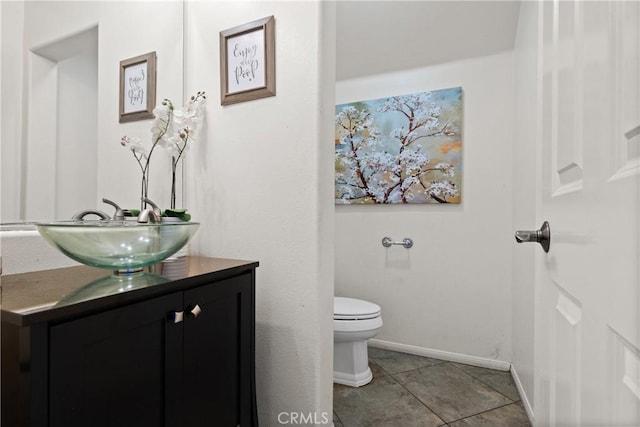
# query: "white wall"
(24, 250)
(77, 131)
(452, 290)
(524, 173)
(11, 57)
(260, 181)
(145, 27)
(59, 174)
(122, 33)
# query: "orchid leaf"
(177, 213)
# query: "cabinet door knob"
(177, 316)
(195, 311)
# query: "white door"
(587, 286)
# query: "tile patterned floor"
(410, 390)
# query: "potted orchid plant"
(172, 129)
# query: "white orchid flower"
(163, 135)
(134, 144)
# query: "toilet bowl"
(354, 322)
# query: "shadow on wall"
(397, 258)
(272, 342)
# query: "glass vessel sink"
(123, 246)
(111, 285)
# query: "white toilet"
(354, 322)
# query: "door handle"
(542, 236)
(195, 311)
(633, 132)
(176, 316)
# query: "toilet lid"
(354, 309)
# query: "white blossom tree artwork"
(402, 149)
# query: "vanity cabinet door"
(219, 354)
(118, 368)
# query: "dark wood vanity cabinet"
(118, 367)
(176, 357)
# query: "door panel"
(587, 299)
(217, 350)
(626, 69)
(136, 342)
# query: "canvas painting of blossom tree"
(402, 149)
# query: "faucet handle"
(149, 215)
(119, 214)
(155, 207)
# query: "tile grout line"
(511, 402)
(447, 423)
(409, 391)
(440, 362)
(417, 398)
(484, 412)
(489, 385)
(338, 417)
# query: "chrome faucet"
(154, 213)
(80, 215)
(119, 214)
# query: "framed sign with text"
(137, 87)
(247, 62)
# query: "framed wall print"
(137, 87)
(247, 62)
(400, 149)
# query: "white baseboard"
(482, 362)
(525, 399)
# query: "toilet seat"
(354, 309)
(362, 326)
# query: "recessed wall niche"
(60, 154)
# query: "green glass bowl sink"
(123, 246)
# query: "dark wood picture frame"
(252, 59)
(137, 87)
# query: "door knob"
(176, 316)
(195, 311)
(542, 236)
